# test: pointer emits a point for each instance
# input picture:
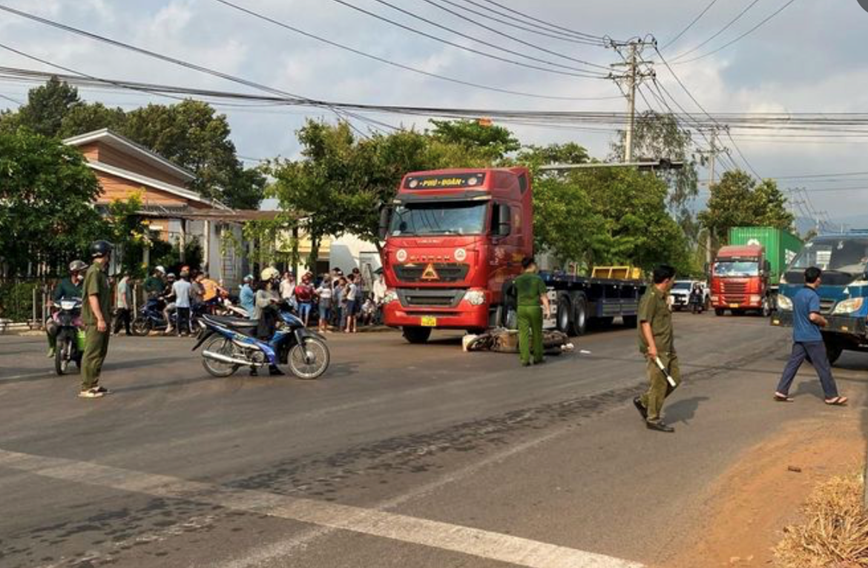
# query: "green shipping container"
(781, 246)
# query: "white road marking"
(435, 534)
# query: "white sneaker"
(91, 393)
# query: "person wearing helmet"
(67, 289)
(95, 312)
(169, 297)
(265, 310)
(156, 282)
(247, 297)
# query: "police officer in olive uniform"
(656, 340)
(532, 294)
(95, 313)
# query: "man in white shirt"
(181, 291)
(379, 295)
(287, 286)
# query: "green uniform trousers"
(660, 388)
(95, 349)
(530, 329)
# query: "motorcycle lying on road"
(69, 343)
(231, 343)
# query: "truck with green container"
(746, 274)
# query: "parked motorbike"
(231, 343)
(151, 318)
(70, 343)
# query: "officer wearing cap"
(532, 298)
(94, 313)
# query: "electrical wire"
(690, 25)
(11, 100)
(571, 71)
(545, 23)
(720, 31)
(740, 37)
(513, 38)
(389, 62)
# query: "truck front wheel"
(415, 334)
(563, 322)
(719, 311)
(834, 349)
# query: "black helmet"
(77, 266)
(100, 248)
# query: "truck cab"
(740, 280)
(843, 290)
(453, 240)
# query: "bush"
(16, 300)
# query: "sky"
(808, 58)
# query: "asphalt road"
(401, 455)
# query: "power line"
(808, 176)
(515, 39)
(512, 23)
(720, 31)
(11, 100)
(572, 71)
(690, 25)
(389, 62)
(745, 34)
(543, 22)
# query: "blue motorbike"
(231, 343)
(150, 317)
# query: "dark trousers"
(122, 317)
(815, 353)
(183, 315)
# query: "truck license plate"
(733, 305)
(429, 321)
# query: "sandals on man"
(782, 397)
(837, 401)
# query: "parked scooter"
(70, 340)
(231, 343)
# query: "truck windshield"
(848, 255)
(462, 218)
(736, 268)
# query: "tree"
(46, 196)
(738, 201)
(47, 106)
(193, 136)
(482, 137)
(129, 234)
(88, 117)
(659, 137)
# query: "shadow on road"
(684, 410)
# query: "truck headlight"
(848, 306)
(475, 297)
(785, 303)
(391, 296)
(755, 299)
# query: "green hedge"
(16, 300)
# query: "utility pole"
(636, 69)
(711, 154)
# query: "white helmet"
(160, 269)
(269, 273)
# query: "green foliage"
(47, 106)
(739, 201)
(85, 117)
(16, 300)
(46, 192)
(129, 234)
(488, 140)
(569, 153)
(169, 255)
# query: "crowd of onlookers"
(333, 301)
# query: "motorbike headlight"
(848, 306)
(785, 303)
(475, 297)
(391, 296)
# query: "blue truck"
(843, 290)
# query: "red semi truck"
(740, 280)
(454, 241)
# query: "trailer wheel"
(580, 314)
(562, 321)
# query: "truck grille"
(734, 292)
(446, 272)
(435, 298)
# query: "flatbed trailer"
(580, 302)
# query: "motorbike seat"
(232, 321)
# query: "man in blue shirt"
(247, 298)
(808, 342)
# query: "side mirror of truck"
(504, 225)
(385, 220)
